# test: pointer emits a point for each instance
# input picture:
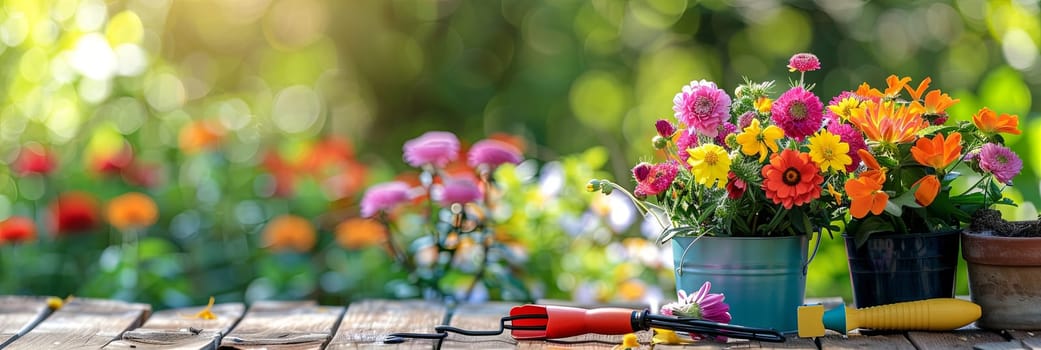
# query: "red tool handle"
(563, 321)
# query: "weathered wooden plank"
(83, 324)
(1031, 339)
(367, 323)
(486, 316)
(960, 339)
(861, 341)
(19, 314)
(284, 325)
(182, 329)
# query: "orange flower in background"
(132, 210)
(866, 196)
(991, 123)
(74, 212)
(34, 159)
(290, 232)
(283, 174)
(886, 123)
(17, 229)
(937, 152)
(200, 135)
(895, 85)
(357, 233)
(928, 187)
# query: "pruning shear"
(546, 322)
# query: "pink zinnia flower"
(831, 116)
(492, 153)
(665, 128)
(804, 62)
(798, 112)
(458, 191)
(658, 180)
(848, 134)
(642, 171)
(383, 197)
(702, 106)
(703, 305)
(1000, 161)
(686, 141)
(436, 148)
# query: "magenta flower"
(665, 128)
(1000, 161)
(851, 136)
(642, 171)
(458, 191)
(436, 148)
(745, 120)
(704, 305)
(493, 153)
(686, 141)
(702, 107)
(725, 129)
(798, 112)
(804, 62)
(831, 116)
(383, 197)
(658, 180)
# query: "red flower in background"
(283, 173)
(330, 162)
(74, 212)
(17, 229)
(34, 159)
(112, 162)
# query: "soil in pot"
(1004, 263)
(985, 220)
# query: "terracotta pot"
(1004, 279)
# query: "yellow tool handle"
(924, 315)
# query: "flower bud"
(593, 185)
(641, 171)
(731, 141)
(665, 128)
(659, 142)
(605, 189)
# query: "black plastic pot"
(895, 268)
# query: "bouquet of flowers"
(913, 159)
(756, 164)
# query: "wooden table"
(27, 323)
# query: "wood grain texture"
(18, 314)
(961, 339)
(180, 329)
(83, 324)
(1029, 339)
(860, 341)
(284, 325)
(367, 323)
(484, 317)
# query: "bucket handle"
(805, 266)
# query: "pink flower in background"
(1000, 161)
(383, 197)
(798, 112)
(492, 153)
(852, 137)
(702, 106)
(657, 181)
(35, 159)
(436, 148)
(804, 62)
(458, 191)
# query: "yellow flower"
(668, 337)
(710, 164)
(756, 139)
(763, 104)
(207, 313)
(845, 107)
(629, 341)
(828, 151)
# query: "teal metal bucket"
(762, 278)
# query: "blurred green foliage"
(215, 97)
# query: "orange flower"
(290, 232)
(17, 229)
(895, 84)
(792, 179)
(200, 135)
(936, 103)
(991, 123)
(886, 123)
(132, 210)
(916, 94)
(868, 159)
(928, 187)
(937, 152)
(865, 195)
(868, 92)
(875, 171)
(359, 233)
